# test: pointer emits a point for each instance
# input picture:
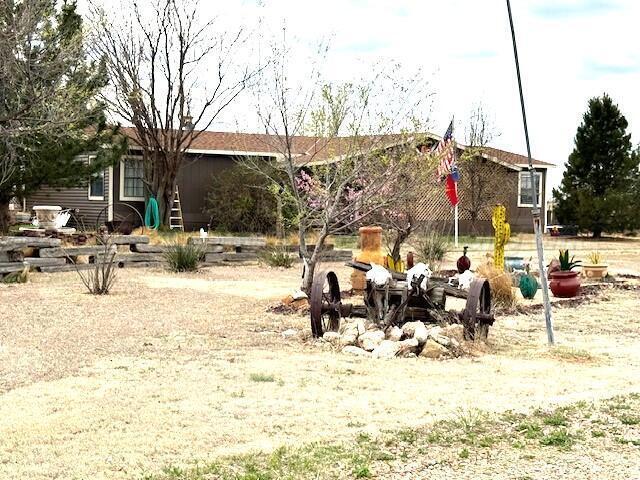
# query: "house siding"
(89, 212)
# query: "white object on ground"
(416, 271)
(298, 295)
(465, 279)
(203, 233)
(378, 275)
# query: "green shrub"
(431, 248)
(183, 257)
(277, 257)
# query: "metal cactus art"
(502, 234)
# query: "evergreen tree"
(596, 192)
(49, 113)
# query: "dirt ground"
(170, 368)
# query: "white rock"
(416, 271)
(421, 333)
(409, 328)
(408, 347)
(291, 332)
(387, 349)
(441, 339)
(371, 340)
(394, 334)
(437, 330)
(331, 336)
(361, 327)
(351, 350)
(299, 295)
(349, 338)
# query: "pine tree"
(49, 113)
(595, 193)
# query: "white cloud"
(569, 51)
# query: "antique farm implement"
(401, 298)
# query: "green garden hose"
(152, 210)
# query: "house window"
(525, 198)
(131, 175)
(96, 184)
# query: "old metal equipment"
(398, 302)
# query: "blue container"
(513, 263)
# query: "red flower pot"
(564, 284)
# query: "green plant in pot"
(528, 283)
(565, 283)
(596, 269)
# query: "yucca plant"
(100, 276)
(277, 257)
(183, 257)
(595, 258)
(567, 265)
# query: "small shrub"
(17, 277)
(183, 257)
(277, 257)
(262, 377)
(556, 419)
(558, 438)
(431, 248)
(102, 276)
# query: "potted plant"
(595, 269)
(565, 282)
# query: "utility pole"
(535, 210)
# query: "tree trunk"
(597, 233)
(164, 192)
(312, 261)
(4, 216)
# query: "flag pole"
(455, 208)
(455, 213)
(535, 210)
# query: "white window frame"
(537, 174)
(122, 195)
(104, 184)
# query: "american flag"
(447, 153)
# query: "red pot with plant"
(565, 283)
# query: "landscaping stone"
(421, 333)
(408, 347)
(18, 243)
(331, 337)
(433, 349)
(386, 350)
(232, 241)
(213, 258)
(63, 252)
(359, 352)
(129, 239)
(370, 340)
(409, 328)
(147, 248)
(394, 334)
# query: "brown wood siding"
(90, 212)
(194, 181)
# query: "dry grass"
(501, 290)
(160, 372)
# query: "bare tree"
(481, 184)
(172, 75)
(339, 146)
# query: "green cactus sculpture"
(502, 234)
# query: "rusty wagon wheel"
(325, 303)
(477, 316)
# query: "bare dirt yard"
(189, 376)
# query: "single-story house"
(118, 193)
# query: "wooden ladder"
(175, 220)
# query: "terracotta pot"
(564, 284)
(595, 272)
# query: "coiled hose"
(152, 212)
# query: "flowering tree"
(351, 137)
